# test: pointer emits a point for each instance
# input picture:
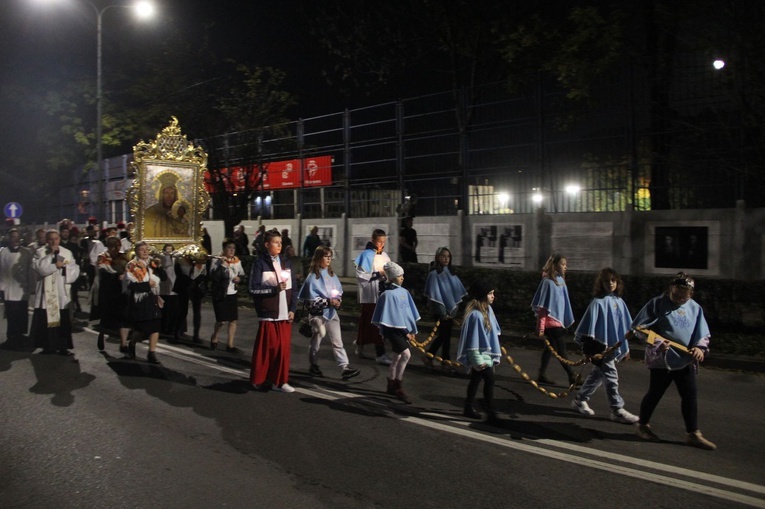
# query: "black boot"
(100, 342)
(152, 358)
(131, 349)
(542, 379)
(471, 412)
(491, 417)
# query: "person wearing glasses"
(322, 294)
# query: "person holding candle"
(369, 273)
(322, 293)
(271, 287)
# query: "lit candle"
(333, 293)
(378, 263)
(285, 275)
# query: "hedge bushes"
(730, 306)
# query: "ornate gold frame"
(167, 197)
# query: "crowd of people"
(137, 294)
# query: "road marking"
(457, 427)
(190, 356)
(756, 488)
(580, 460)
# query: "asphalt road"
(97, 430)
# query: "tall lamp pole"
(144, 9)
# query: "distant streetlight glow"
(537, 198)
(718, 64)
(503, 199)
(573, 188)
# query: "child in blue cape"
(444, 291)
(552, 308)
(322, 293)
(603, 326)
(479, 347)
(676, 317)
(396, 316)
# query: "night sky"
(40, 39)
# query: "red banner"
(317, 172)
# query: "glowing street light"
(537, 198)
(573, 189)
(143, 9)
(718, 64)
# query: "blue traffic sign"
(13, 210)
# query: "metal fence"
(487, 151)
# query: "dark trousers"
(443, 339)
(487, 375)
(18, 318)
(685, 380)
(181, 313)
(169, 314)
(555, 336)
(196, 314)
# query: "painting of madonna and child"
(168, 198)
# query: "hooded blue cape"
(606, 320)
(554, 298)
(365, 260)
(683, 324)
(396, 309)
(321, 288)
(475, 337)
(445, 289)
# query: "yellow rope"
(583, 360)
(561, 359)
(430, 356)
(518, 369)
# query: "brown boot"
(391, 387)
(399, 392)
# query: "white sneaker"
(384, 360)
(285, 388)
(582, 407)
(623, 416)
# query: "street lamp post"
(144, 9)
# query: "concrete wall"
(729, 243)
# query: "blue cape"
(445, 289)
(321, 288)
(606, 320)
(365, 260)
(396, 309)
(683, 324)
(474, 336)
(554, 298)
